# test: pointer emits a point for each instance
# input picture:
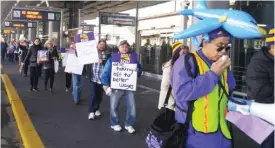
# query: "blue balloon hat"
(239, 24)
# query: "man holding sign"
(96, 88)
(119, 79)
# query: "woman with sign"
(123, 56)
(48, 64)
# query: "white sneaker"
(97, 113)
(91, 116)
(130, 129)
(116, 128)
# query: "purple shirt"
(187, 89)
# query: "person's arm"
(27, 56)
(106, 75)
(259, 86)
(186, 88)
(54, 53)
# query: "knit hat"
(177, 46)
(270, 38)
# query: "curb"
(29, 135)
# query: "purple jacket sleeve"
(186, 88)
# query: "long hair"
(46, 43)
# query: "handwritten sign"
(73, 65)
(86, 48)
(87, 52)
(124, 76)
(64, 58)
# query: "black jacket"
(32, 55)
(52, 54)
(260, 77)
(23, 52)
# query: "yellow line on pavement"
(27, 131)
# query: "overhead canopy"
(89, 9)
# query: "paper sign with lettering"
(64, 58)
(86, 48)
(124, 76)
(73, 65)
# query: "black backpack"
(165, 132)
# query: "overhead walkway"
(61, 124)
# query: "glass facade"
(263, 12)
(156, 46)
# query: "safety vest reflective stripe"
(205, 119)
(211, 108)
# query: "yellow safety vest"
(210, 110)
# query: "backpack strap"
(190, 74)
(167, 96)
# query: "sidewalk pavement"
(62, 124)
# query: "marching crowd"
(198, 80)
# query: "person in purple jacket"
(208, 127)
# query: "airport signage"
(19, 24)
(120, 19)
(7, 31)
(86, 27)
(38, 15)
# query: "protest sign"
(86, 48)
(64, 58)
(73, 65)
(124, 76)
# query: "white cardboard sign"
(124, 76)
(73, 65)
(87, 52)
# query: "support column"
(17, 34)
(184, 18)
(73, 17)
(50, 30)
(12, 36)
(136, 30)
(29, 33)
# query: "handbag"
(165, 132)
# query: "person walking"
(48, 66)
(96, 87)
(34, 66)
(123, 56)
(10, 52)
(178, 50)
(23, 51)
(203, 83)
(260, 79)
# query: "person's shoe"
(66, 90)
(130, 129)
(97, 113)
(116, 128)
(30, 89)
(91, 116)
(76, 102)
(51, 90)
(35, 89)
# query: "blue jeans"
(76, 87)
(95, 97)
(130, 103)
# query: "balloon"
(246, 107)
(238, 23)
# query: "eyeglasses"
(226, 47)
